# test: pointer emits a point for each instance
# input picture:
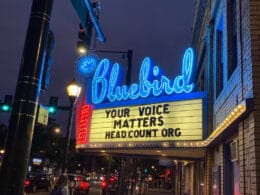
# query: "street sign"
(43, 115)
(83, 8)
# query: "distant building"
(226, 39)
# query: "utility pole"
(122, 176)
(22, 119)
(68, 137)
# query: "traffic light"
(7, 104)
(85, 35)
(53, 105)
(82, 33)
(145, 170)
(81, 44)
(48, 61)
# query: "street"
(96, 191)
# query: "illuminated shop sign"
(106, 84)
(155, 109)
(180, 120)
(36, 161)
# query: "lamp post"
(73, 91)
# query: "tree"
(48, 144)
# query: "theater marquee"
(154, 110)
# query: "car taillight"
(78, 179)
(27, 182)
(112, 179)
(103, 184)
(84, 185)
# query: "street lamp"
(81, 47)
(57, 130)
(73, 91)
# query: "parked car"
(35, 181)
(78, 184)
(109, 185)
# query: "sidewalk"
(159, 190)
(153, 191)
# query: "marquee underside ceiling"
(160, 153)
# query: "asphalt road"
(96, 191)
(92, 191)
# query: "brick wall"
(209, 162)
(255, 49)
(248, 181)
(238, 86)
(243, 84)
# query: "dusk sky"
(159, 29)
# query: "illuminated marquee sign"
(180, 120)
(156, 109)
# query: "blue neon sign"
(86, 65)
(106, 84)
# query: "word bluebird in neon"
(108, 78)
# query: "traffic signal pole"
(22, 119)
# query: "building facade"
(226, 38)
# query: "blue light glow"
(5, 108)
(106, 85)
(99, 82)
(86, 65)
(181, 83)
